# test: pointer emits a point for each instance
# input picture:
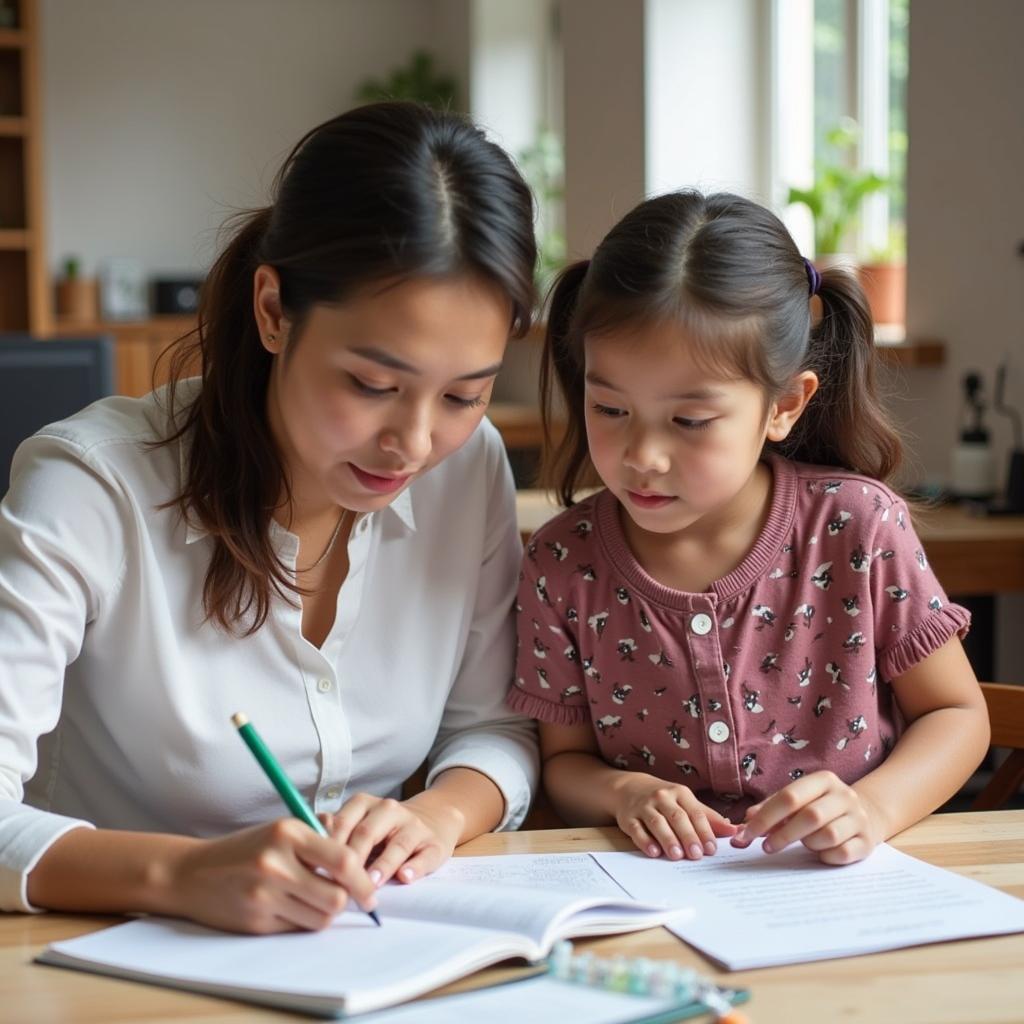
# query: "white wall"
(508, 69)
(162, 115)
(706, 110)
(603, 54)
(965, 220)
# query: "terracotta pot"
(78, 300)
(885, 285)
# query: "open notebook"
(474, 912)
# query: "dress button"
(701, 624)
(333, 793)
(324, 685)
(718, 732)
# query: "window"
(838, 63)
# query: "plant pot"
(78, 300)
(885, 285)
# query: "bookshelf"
(24, 283)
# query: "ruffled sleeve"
(548, 684)
(913, 615)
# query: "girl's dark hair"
(728, 272)
(382, 193)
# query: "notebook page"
(493, 905)
(353, 959)
(760, 910)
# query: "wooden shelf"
(913, 353)
(14, 239)
(13, 127)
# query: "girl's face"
(672, 442)
(377, 390)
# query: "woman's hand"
(821, 811)
(272, 878)
(396, 840)
(662, 816)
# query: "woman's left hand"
(821, 811)
(395, 840)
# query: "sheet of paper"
(540, 1000)
(760, 910)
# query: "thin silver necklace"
(330, 544)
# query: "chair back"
(42, 381)
(1006, 715)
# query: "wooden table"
(975, 982)
(970, 554)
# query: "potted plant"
(418, 81)
(883, 276)
(543, 166)
(77, 299)
(835, 197)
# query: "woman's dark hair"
(385, 192)
(730, 275)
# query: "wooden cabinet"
(140, 348)
(24, 282)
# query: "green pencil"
(289, 794)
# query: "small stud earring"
(271, 337)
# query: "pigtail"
(845, 423)
(566, 458)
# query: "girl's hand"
(395, 840)
(270, 878)
(662, 816)
(821, 811)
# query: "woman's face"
(376, 390)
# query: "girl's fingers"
(840, 830)
(849, 852)
(817, 816)
(642, 839)
(723, 828)
(702, 828)
(783, 804)
(675, 832)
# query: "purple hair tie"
(813, 277)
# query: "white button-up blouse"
(105, 650)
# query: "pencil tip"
(240, 718)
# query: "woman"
(318, 531)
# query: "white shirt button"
(718, 732)
(701, 624)
(333, 793)
(324, 685)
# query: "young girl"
(318, 531)
(742, 627)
